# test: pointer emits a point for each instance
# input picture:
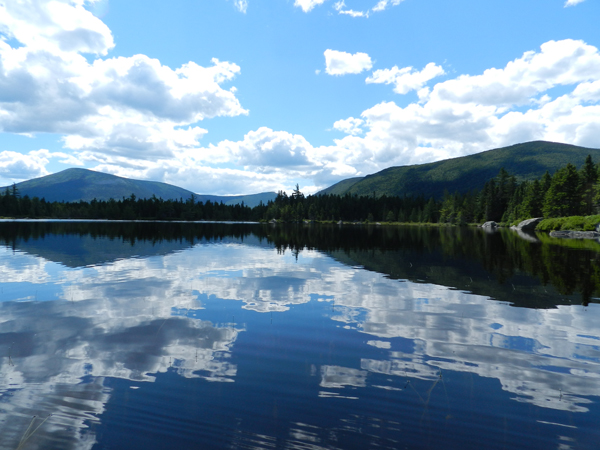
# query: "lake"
(240, 336)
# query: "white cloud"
(241, 5)
(134, 116)
(573, 2)
(265, 150)
(383, 4)
(55, 26)
(16, 167)
(342, 63)
(456, 117)
(340, 5)
(264, 160)
(132, 106)
(349, 126)
(472, 113)
(308, 5)
(352, 13)
(406, 79)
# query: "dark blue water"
(235, 341)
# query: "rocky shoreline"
(529, 225)
(568, 234)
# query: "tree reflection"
(493, 264)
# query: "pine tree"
(563, 196)
(533, 200)
(588, 178)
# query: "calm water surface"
(156, 336)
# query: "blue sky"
(245, 96)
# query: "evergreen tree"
(533, 200)
(563, 196)
(588, 178)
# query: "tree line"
(568, 192)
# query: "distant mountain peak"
(462, 174)
(76, 184)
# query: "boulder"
(490, 224)
(529, 224)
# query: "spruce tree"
(588, 178)
(563, 196)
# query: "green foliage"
(575, 223)
(563, 198)
(526, 161)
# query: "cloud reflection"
(549, 357)
(133, 319)
(117, 322)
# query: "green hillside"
(73, 185)
(342, 187)
(526, 161)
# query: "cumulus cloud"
(460, 116)
(342, 63)
(132, 106)
(349, 126)
(16, 167)
(134, 116)
(266, 149)
(57, 26)
(499, 107)
(406, 79)
(455, 117)
(308, 5)
(573, 2)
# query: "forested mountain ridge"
(526, 161)
(76, 184)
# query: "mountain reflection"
(403, 313)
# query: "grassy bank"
(573, 223)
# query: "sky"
(232, 97)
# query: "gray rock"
(529, 224)
(575, 234)
(490, 224)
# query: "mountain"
(73, 185)
(526, 161)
